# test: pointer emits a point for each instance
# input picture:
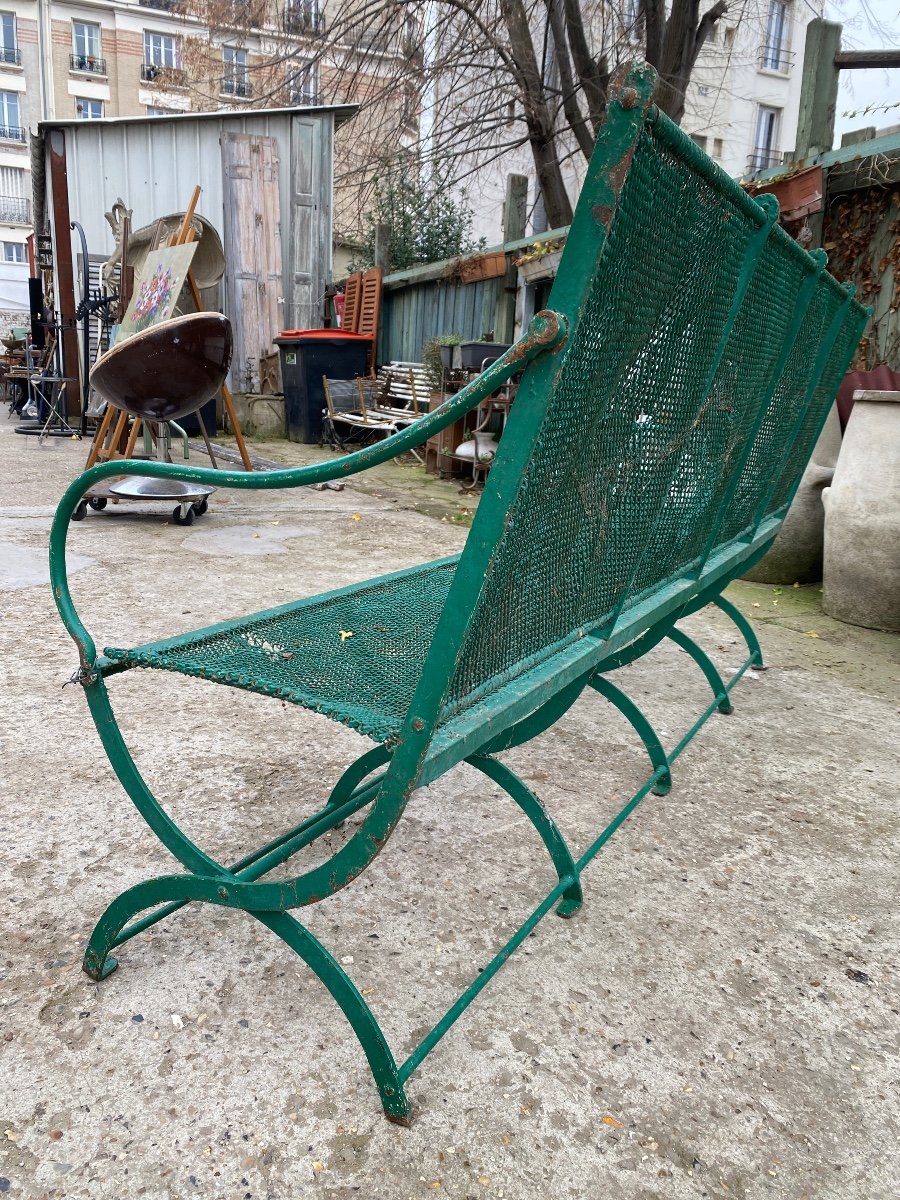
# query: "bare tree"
(457, 84)
(553, 60)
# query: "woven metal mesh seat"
(354, 655)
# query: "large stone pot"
(862, 517)
(796, 554)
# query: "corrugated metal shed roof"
(342, 114)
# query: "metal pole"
(85, 325)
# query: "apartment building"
(91, 59)
(743, 100)
(741, 104)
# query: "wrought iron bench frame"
(435, 731)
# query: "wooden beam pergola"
(850, 60)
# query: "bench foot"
(706, 665)
(642, 728)
(730, 610)
(499, 772)
(568, 908)
(98, 968)
(173, 889)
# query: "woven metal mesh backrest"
(716, 440)
(787, 407)
(634, 381)
(823, 397)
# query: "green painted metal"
(572, 898)
(645, 731)
(185, 888)
(802, 299)
(706, 665)
(667, 405)
(826, 333)
(539, 721)
(730, 610)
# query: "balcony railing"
(775, 58)
(236, 87)
(12, 133)
(763, 158)
(15, 210)
(164, 5)
(162, 77)
(299, 20)
(11, 56)
(301, 97)
(87, 63)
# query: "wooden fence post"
(513, 229)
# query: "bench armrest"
(546, 331)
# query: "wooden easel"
(184, 235)
(105, 447)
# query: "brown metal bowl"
(168, 370)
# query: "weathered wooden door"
(310, 244)
(254, 282)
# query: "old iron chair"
(669, 400)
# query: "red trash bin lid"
(329, 334)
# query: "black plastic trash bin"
(307, 355)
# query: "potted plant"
(475, 354)
(431, 357)
(448, 342)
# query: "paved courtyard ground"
(719, 1021)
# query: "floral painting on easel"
(157, 288)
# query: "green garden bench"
(669, 399)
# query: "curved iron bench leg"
(356, 773)
(642, 728)
(559, 852)
(181, 889)
(732, 611)
(706, 665)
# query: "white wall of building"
(732, 80)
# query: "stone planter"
(796, 554)
(260, 416)
(862, 517)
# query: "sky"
(868, 24)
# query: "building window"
(13, 251)
(235, 80)
(88, 110)
(9, 50)
(86, 39)
(774, 55)
(155, 111)
(768, 129)
(160, 49)
(301, 83)
(718, 147)
(10, 120)
(633, 21)
(699, 139)
(302, 16)
(15, 207)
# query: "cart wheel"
(179, 519)
(201, 508)
(80, 512)
(98, 503)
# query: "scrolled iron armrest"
(546, 331)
